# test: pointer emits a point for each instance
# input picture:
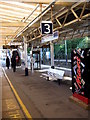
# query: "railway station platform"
(52, 33)
(41, 98)
(9, 104)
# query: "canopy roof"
(16, 14)
(22, 18)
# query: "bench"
(55, 74)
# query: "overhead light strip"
(12, 12)
(15, 8)
(19, 4)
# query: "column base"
(79, 102)
(26, 71)
(82, 98)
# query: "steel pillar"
(52, 54)
(25, 51)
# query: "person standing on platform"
(7, 62)
(13, 60)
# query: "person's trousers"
(14, 68)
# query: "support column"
(32, 48)
(52, 54)
(32, 60)
(66, 51)
(25, 51)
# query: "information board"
(48, 38)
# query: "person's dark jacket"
(7, 62)
(13, 60)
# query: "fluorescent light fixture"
(4, 20)
(14, 8)
(10, 15)
(13, 12)
(19, 4)
(8, 18)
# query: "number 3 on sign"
(47, 28)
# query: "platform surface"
(10, 106)
(45, 99)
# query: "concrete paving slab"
(6, 88)
(4, 82)
(0, 105)
(0, 87)
(0, 81)
(10, 105)
(7, 93)
(0, 93)
(13, 114)
(0, 115)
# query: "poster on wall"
(81, 72)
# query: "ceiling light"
(13, 12)
(19, 4)
(14, 8)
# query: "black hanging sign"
(46, 27)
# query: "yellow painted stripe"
(17, 97)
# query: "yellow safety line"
(17, 97)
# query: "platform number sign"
(46, 27)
